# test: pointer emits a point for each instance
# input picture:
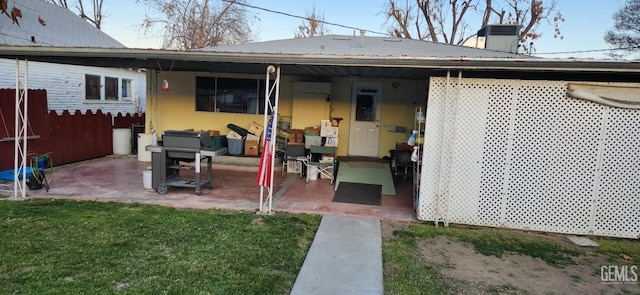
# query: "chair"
(326, 168)
(401, 159)
(293, 152)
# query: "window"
(127, 88)
(92, 87)
(230, 95)
(107, 88)
(111, 88)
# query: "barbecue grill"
(182, 146)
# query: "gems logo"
(619, 274)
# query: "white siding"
(65, 85)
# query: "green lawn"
(69, 247)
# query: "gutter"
(146, 57)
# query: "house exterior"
(507, 141)
(69, 87)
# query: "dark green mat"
(358, 193)
(367, 173)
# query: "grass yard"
(69, 247)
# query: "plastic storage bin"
(235, 146)
(219, 141)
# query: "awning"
(609, 95)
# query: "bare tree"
(313, 25)
(93, 15)
(445, 20)
(626, 32)
(193, 24)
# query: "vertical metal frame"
(272, 87)
(21, 121)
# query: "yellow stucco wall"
(175, 109)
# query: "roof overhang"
(311, 65)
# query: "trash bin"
(122, 141)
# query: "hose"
(42, 164)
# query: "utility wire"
(302, 17)
(593, 50)
(387, 34)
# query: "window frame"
(208, 98)
(106, 94)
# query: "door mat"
(358, 193)
(366, 173)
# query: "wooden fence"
(66, 137)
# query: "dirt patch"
(470, 272)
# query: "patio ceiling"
(312, 65)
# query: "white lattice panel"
(521, 154)
(617, 207)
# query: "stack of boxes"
(248, 145)
(252, 142)
(330, 135)
(326, 133)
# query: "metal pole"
(20, 151)
(273, 143)
(16, 133)
(274, 120)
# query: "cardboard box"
(251, 147)
(325, 123)
(327, 159)
(329, 131)
(255, 129)
(234, 135)
(252, 137)
(294, 166)
(296, 136)
(213, 132)
(331, 141)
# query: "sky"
(586, 22)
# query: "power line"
(387, 34)
(304, 18)
(592, 50)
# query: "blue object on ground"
(8, 174)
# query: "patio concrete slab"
(120, 179)
(345, 258)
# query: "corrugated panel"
(521, 154)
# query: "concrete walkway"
(345, 258)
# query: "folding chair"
(293, 152)
(326, 168)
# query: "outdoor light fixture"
(165, 84)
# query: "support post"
(21, 121)
(267, 160)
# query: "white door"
(364, 127)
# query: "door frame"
(355, 87)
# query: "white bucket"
(312, 172)
(146, 179)
(144, 139)
(121, 141)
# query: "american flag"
(264, 169)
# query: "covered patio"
(120, 179)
